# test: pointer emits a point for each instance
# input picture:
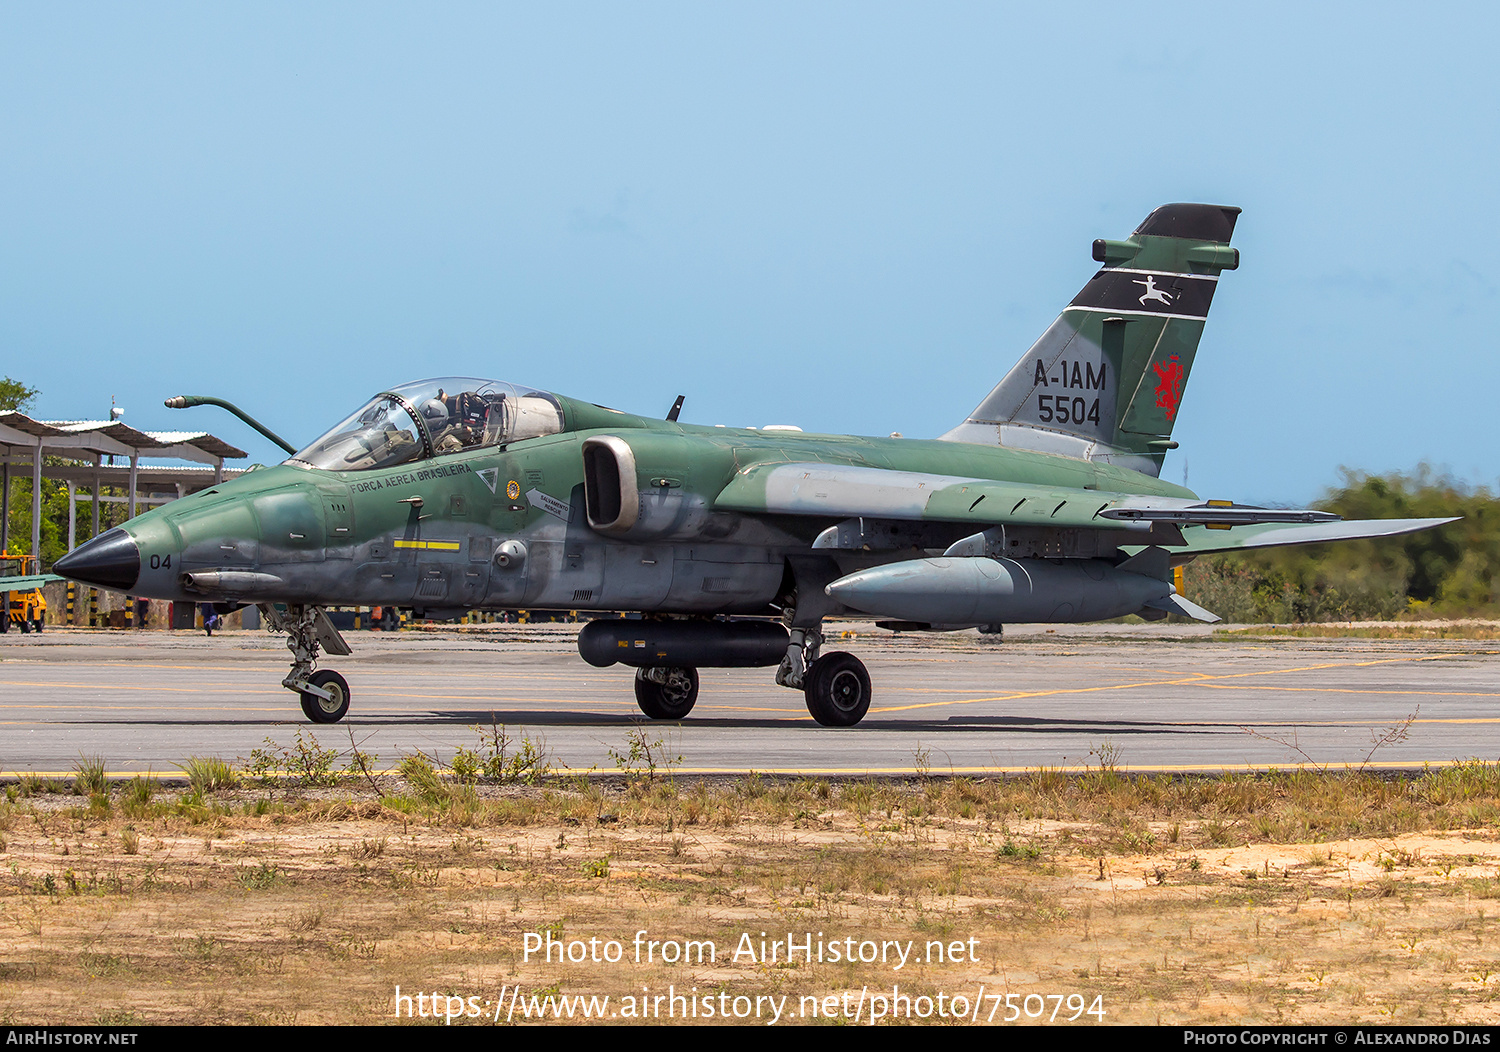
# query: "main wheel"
(838, 690)
(326, 710)
(671, 700)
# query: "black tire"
(25, 626)
(326, 710)
(39, 626)
(671, 700)
(837, 689)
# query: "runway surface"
(1149, 697)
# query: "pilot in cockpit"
(455, 421)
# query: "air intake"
(611, 499)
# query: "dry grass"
(1281, 898)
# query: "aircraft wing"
(1278, 535)
(846, 491)
(27, 584)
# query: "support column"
(94, 592)
(72, 526)
(135, 457)
(97, 458)
(5, 503)
(218, 471)
(36, 504)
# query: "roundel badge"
(513, 489)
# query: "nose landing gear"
(324, 694)
(666, 693)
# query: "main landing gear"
(668, 652)
(837, 688)
(836, 685)
(325, 693)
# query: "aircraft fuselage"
(434, 534)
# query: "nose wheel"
(666, 693)
(324, 694)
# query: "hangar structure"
(104, 454)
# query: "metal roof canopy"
(113, 438)
(20, 433)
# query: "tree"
(1453, 570)
(16, 397)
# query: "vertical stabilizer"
(1105, 381)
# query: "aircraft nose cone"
(110, 560)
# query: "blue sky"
(851, 217)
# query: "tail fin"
(1105, 380)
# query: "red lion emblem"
(1169, 385)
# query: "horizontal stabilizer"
(1274, 535)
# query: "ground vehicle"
(27, 607)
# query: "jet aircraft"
(732, 546)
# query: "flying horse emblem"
(1153, 293)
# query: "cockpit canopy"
(431, 418)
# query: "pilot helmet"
(434, 412)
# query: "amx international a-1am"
(734, 545)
